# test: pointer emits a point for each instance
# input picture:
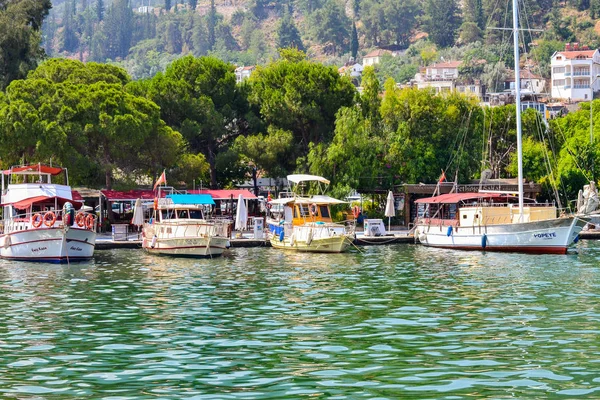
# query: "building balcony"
(581, 73)
(567, 74)
(567, 86)
(581, 86)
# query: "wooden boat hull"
(540, 237)
(335, 244)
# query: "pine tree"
(69, 38)
(211, 25)
(356, 8)
(354, 41)
(167, 5)
(288, 35)
(442, 19)
(193, 4)
(119, 28)
(100, 10)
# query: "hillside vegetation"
(249, 32)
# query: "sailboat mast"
(518, 104)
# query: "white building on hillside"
(574, 71)
(445, 77)
(242, 73)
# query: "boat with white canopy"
(306, 223)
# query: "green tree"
(441, 20)
(271, 153)
(168, 5)
(20, 24)
(211, 24)
(300, 97)
(330, 25)
(118, 26)
(193, 4)
(199, 97)
(81, 116)
(287, 34)
(100, 9)
(354, 41)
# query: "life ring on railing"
(80, 219)
(156, 203)
(49, 219)
(356, 211)
(268, 205)
(89, 221)
(36, 220)
(313, 209)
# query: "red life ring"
(36, 220)
(268, 205)
(156, 203)
(356, 211)
(313, 209)
(89, 221)
(80, 219)
(49, 219)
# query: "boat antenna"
(518, 105)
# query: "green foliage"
(20, 23)
(354, 41)
(543, 52)
(441, 20)
(287, 34)
(118, 25)
(269, 153)
(301, 97)
(330, 25)
(199, 97)
(80, 116)
(389, 22)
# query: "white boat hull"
(49, 245)
(542, 237)
(313, 238)
(184, 240)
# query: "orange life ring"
(80, 219)
(156, 203)
(89, 221)
(49, 219)
(313, 209)
(355, 211)
(36, 220)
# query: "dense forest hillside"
(145, 35)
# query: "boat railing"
(48, 219)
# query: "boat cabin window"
(166, 214)
(195, 214)
(324, 211)
(301, 210)
(183, 214)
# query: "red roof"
(447, 64)
(226, 194)
(23, 204)
(453, 198)
(36, 168)
(129, 195)
(76, 196)
(570, 55)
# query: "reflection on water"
(391, 322)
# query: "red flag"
(161, 179)
(442, 177)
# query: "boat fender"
(484, 241)
(6, 242)
(281, 235)
(153, 243)
(293, 239)
(422, 238)
(576, 239)
(309, 237)
(449, 233)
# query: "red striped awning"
(26, 203)
(34, 169)
(226, 194)
(453, 198)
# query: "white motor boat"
(178, 227)
(41, 221)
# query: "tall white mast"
(518, 104)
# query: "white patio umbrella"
(138, 213)
(241, 215)
(389, 207)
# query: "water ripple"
(390, 322)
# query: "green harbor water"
(398, 321)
